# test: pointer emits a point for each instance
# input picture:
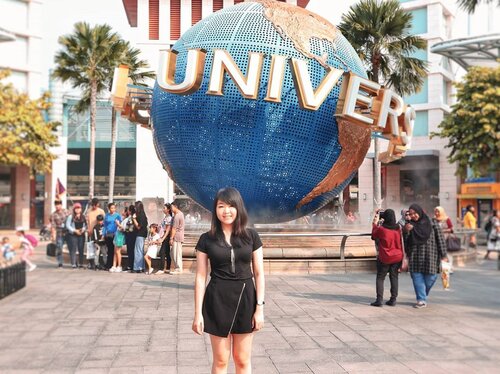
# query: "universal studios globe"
(276, 154)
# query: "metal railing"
(344, 236)
(12, 278)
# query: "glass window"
(419, 22)
(419, 97)
(421, 127)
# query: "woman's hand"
(408, 227)
(198, 325)
(258, 318)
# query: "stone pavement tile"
(293, 356)
(69, 360)
(348, 336)
(144, 359)
(393, 348)
(120, 340)
(382, 336)
(193, 369)
(102, 353)
(199, 358)
(289, 368)
(329, 341)
(129, 370)
(160, 369)
(135, 349)
(263, 365)
(345, 354)
(423, 366)
(372, 367)
(192, 344)
(92, 371)
(22, 371)
(325, 367)
(483, 366)
(87, 364)
(72, 331)
(301, 342)
(455, 367)
(318, 329)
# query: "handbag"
(453, 243)
(90, 250)
(51, 249)
(404, 263)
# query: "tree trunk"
(112, 156)
(93, 111)
(377, 179)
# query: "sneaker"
(73, 266)
(420, 305)
(150, 271)
(391, 302)
(60, 266)
(160, 272)
(112, 270)
(118, 269)
(32, 267)
(176, 272)
(376, 303)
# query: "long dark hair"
(131, 210)
(169, 207)
(139, 208)
(232, 197)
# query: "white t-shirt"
(153, 248)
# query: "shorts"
(229, 306)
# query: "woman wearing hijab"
(425, 248)
(390, 253)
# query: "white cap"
(20, 228)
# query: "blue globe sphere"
(275, 154)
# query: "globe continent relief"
(287, 162)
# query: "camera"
(380, 213)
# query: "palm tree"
(87, 59)
(380, 32)
(137, 74)
(470, 5)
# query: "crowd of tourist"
(99, 237)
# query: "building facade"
(20, 49)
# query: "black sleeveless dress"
(230, 299)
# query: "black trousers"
(111, 251)
(165, 253)
(130, 241)
(382, 270)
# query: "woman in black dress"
(231, 307)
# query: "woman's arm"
(200, 282)
(167, 231)
(69, 224)
(258, 273)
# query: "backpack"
(489, 225)
(33, 241)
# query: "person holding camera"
(387, 233)
(141, 229)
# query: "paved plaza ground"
(81, 321)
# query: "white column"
(207, 8)
(185, 15)
(227, 3)
(165, 21)
(143, 20)
(151, 179)
(365, 186)
(22, 196)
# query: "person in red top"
(387, 234)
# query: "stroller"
(45, 233)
